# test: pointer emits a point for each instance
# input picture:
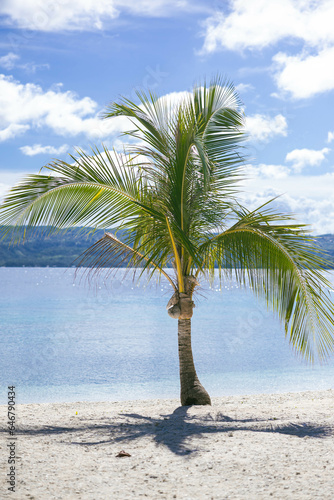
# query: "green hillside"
(57, 250)
(62, 249)
(326, 242)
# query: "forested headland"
(63, 249)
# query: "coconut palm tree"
(173, 195)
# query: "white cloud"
(263, 127)
(304, 76)
(309, 197)
(244, 87)
(8, 61)
(318, 214)
(173, 99)
(330, 136)
(301, 158)
(272, 172)
(12, 130)
(38, 149)
(31, 67)
(58, 15)
(259, 23)
(71, 15)
(24, 106)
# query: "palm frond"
(111, 253)
(282, 263)
(94, 190)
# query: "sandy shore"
(243, 447)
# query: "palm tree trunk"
(192, 391)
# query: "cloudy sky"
(62, 61)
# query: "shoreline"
(255, 446)
(228, 384)
(169, 400)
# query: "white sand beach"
(242, 447)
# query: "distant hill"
(62, 249)
(38, 250)
(326, 242)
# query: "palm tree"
(172, 194)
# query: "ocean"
(70, 339)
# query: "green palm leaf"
(282, 263)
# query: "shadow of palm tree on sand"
(175, 430)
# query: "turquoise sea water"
(65, 340)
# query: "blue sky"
(62, 61)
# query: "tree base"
(195, 395)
